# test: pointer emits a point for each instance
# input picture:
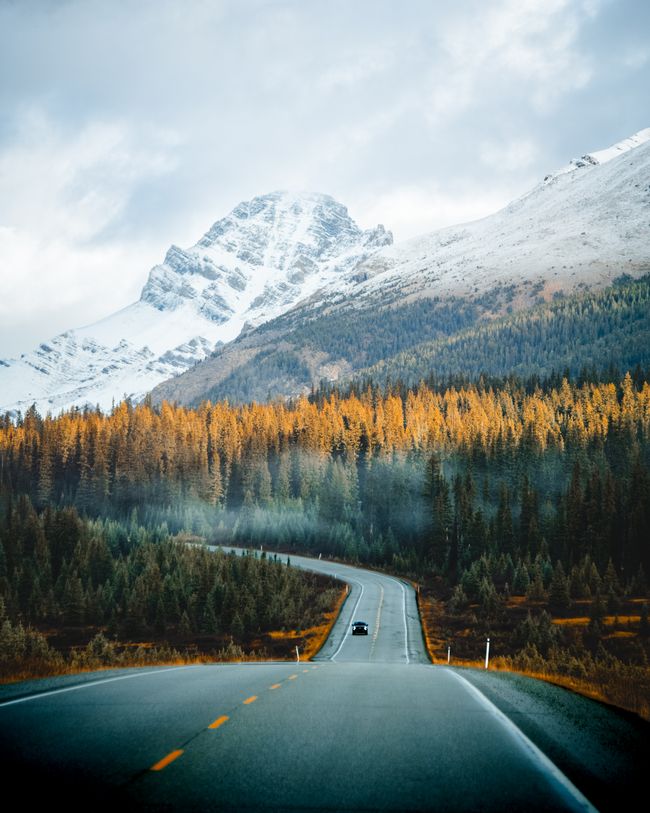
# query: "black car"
(359, 628)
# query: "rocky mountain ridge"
(254, 264)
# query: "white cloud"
(412, 210)
(511, 156)
(63, 200)
(73, 185)
(529, 44)
(354, 68)
(636, 58)
(447, 109)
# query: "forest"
(517, 506)
(483, 334)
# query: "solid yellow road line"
(275, 686)
(250, 700)
(292, 677)
(164, 762)
(219, 721)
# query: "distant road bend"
(368, 725)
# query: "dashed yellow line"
(219, 721)
(275, 686)
(250, 700)
(164, 762)
(305, 670)
(292, 677)
(377, 622)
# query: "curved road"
(369, 725)
(386, 603)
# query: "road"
(386, 603)
(369, 725)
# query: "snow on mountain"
(581, 227)
(578, 228)
(575, 231)
(603, 156)
(251, 266)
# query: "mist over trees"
(499, 492)
(415, 478)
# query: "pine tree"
(441, 514)
(559, 598)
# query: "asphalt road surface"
(369, 725)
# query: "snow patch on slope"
(582, 229)
(252, 265)
(602, 156)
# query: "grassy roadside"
(26, 653)
(310, 641)
(602, 676)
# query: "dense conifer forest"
(598, 331)
(518, 507)
(483, 334)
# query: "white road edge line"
(346, 578)
(344, 638)
(576, 799)
(375, 632)
(406, 628)
(93, 683)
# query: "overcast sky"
(126, 126)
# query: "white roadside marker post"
(297, 655)
(487, 653)
(448, 654)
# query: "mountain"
(266, 255)
(576, 233)
(287, 290)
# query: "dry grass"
(318, 635)
(608, 620)
(309, 640)
(615, 683)
(146, 653)
(36, 670)
(627, 689)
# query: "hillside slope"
(252, 265)
(577, 232)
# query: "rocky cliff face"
(267, 254)
(264, 257)
(578, 230)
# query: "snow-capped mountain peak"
(597, 157)
(262, 257)
(250, 266)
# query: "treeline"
(360, 337)
(58, 570)
(422, 478)
(597, 330)
(525, 495)
(478, 335)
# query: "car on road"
(359, 628)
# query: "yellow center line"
(305, 670)
(250, 700)
(275, 686)
(292, 677)
(164, 762)
(377, 622)
(219, 721)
